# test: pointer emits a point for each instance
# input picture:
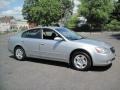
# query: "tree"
(114, 22)
(116, 11)
(113, 25)
(97, 12)
(45, 12)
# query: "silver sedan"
(61, 44)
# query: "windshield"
(70, 35)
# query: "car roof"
(50, 27)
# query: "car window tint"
(34, 33)
(49, 34)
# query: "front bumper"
(103, 59)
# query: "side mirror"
(58, 39)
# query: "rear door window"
(34, 33)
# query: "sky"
(76, 3)
(14, 8)
(11, 8)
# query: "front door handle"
(42, 44)
(22, 41)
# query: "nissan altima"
(61, 44)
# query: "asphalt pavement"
(37, 74)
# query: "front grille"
(112, 49)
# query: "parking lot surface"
(36, 74)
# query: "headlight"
(102, 50)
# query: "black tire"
(87, 59)
(23, 55)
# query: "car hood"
(93, 42)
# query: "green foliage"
(114, 25)
(96, 11)
(72, 22)
(116, 11)
(45, 12)
(114, 22)
(14, 30)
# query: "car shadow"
(43, 61)
(100, 68)
(116, 36)
(63, 64)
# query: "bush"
(85, 27)
(14, 30)
(72, 22)
(114, 25)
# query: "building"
(9, 23)
(4, 27)
(19, 25)
(5, 23)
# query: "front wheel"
(19, 53)
(81, 61)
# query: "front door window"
(49, 34)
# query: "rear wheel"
(81, 60)
(19, 53)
